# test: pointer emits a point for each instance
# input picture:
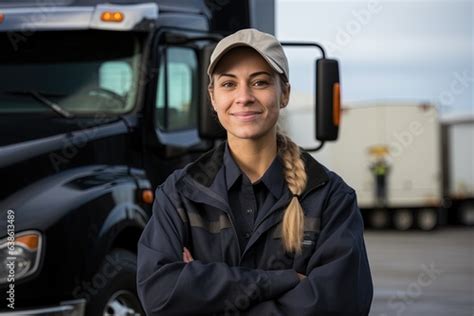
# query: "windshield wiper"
(54, 106)
(43, 100)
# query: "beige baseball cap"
(265, 44)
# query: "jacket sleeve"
(338, 279)
(168, 286)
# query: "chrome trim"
(66, 308)
(49, 17)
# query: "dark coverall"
(191, 210)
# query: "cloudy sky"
(388, 50)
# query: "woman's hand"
(187, 255)
(301, 276)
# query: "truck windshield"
(76, 72)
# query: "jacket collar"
(271, 179)
(206, 168)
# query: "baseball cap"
(265, 44)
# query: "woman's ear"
(210, 91)
(285, 94)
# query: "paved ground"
(420, 273)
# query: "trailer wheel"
(427, 219)
(466, 213)
(378, 218)
(403, 219)
(117, 294)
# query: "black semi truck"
(99, 102)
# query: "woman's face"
(247, 94)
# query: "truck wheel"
(378, 218)
(403, 219)
(117, 294)
(427, 219)
(466, 213)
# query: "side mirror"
(328, 99)
(208, 123)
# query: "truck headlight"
(19, 255)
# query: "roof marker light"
(110, 16)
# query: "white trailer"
(405, 138)
(458, 165)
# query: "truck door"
(174, 95)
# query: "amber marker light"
(147, 196)
(29, 241)
(109, 16)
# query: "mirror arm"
(313, 44)
(314, 149)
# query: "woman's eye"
(260, 83)
(227, 84)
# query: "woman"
(255, 226)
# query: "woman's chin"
(247, 134)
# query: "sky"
(415, 51)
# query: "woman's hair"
(295, 177)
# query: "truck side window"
(176, 108)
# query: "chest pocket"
(209, 234)
(312, 228)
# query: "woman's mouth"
(246, 116)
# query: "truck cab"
(99, 103)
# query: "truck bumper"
(67, 308)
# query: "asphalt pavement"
(422, 273)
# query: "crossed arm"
(170, 282)
(187, 257)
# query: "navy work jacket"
(191, 210)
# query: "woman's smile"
(246, 116)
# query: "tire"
(403, 219)
(117, 293)
(427, 219)
(379, 218)
(466, 213)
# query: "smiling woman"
(255, 226)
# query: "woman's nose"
(244, 95)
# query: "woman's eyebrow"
(226, 75)
(258, 73)
(251, 75)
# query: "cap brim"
(216, 60)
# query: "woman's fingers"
(301, 276)
(187, 257)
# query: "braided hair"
(296, 178)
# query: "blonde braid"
(295, 177)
